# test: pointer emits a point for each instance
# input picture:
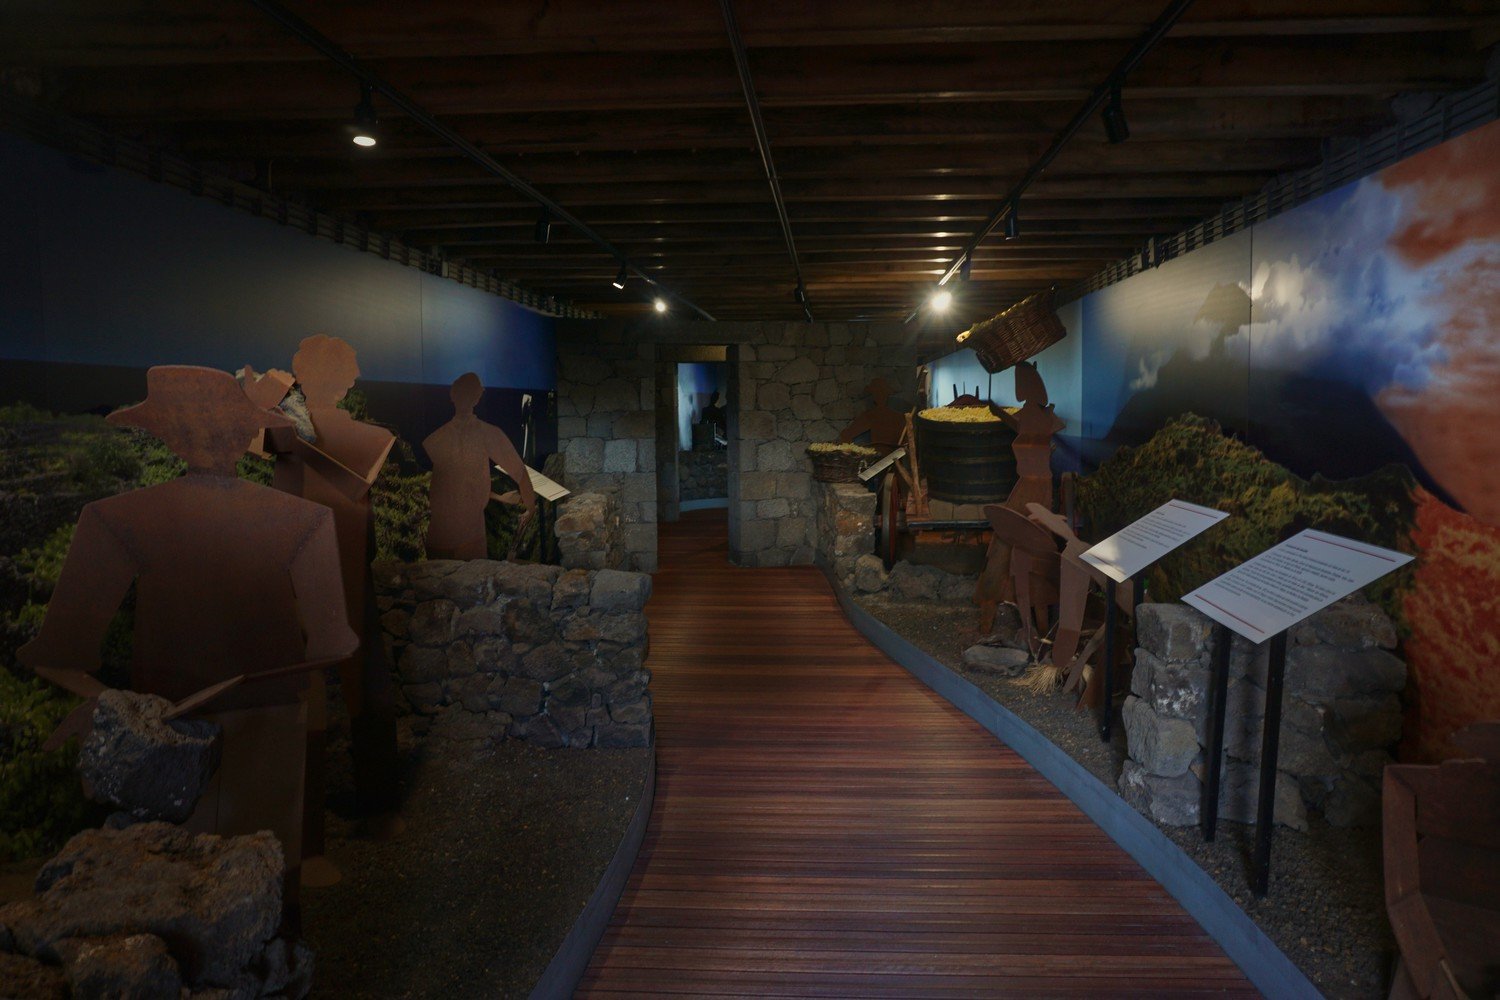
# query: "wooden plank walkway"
(826, 826)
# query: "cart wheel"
(890, 500)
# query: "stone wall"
(798, 383)
(845, 527)
(790, 384)
(703, 475)
(588, 531)
(488, 650)
(606, 427)
(1340, 717)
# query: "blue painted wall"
(697, 381)
(105, 269)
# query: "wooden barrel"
(966, 462)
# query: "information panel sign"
(1144, 541)
(1285, 584)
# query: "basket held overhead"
(1022, 331)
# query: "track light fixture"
(362, 130)
(940, 300)
(622, 277)
(1116, 129)
(659, 304)
(1013, 221)
(799, 294)
(965, 268)
(542, 232)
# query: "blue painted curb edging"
(1247, 946)
(567, 967)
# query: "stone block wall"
(485, 651)
(606, 427)
(588, 531)
(790, 384)
(845, 527)
(703, 475)
(795, 384)
(1341, 716)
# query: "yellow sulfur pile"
(959, 414)
(826, 448)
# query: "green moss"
(41, 802)
(1192, 459)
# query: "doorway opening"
(693, 430)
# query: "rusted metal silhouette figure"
(884, 424)
(1034, 423)
(337, 471)
(462, 452)
(237, 587)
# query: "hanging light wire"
(325, 45)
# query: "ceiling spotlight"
(965, 267)
(940, 300)
(622, 277)
(542, 231)
(799, 294)
(1013, 221)
(660, 304)
(363, 129)
(1116, 129)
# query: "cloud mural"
(1356, 330)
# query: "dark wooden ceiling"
(897, 125)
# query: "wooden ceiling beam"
(935, 192)
(939, 124)
(1000, 161)
(174, 32)
(968, 72)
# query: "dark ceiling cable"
(763, 144)
(1111, 85)
(322, 43)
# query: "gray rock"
(25, 978)
(1326, 673)
(1240, 789)
(422, 664)
(1001, 661)
(913, 582)
(128, 967)
(572, 590)
(1162, 746)
(433, 623)
(799, 370)
(150, 768)
(1353, 623)
(215, 900)
(1170, 801)
(1174, 633)
(546, 663)
(869, 574)
(515, 695)
(1352, 802)
(955, 589)
(616, 590)
(539, 730)
(618, 734)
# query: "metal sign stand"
(1111, 611)
(1270, 749)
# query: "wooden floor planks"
(826, 826)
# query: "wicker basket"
(838, 466)
(1022, 331)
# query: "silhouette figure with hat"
(462, 452)
(237, 589)
(337, 471)
(883, 424)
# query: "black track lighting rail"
(325, 45)
(763, 144)
(1112, 83)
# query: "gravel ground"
(1326, 908)
(501, 850)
